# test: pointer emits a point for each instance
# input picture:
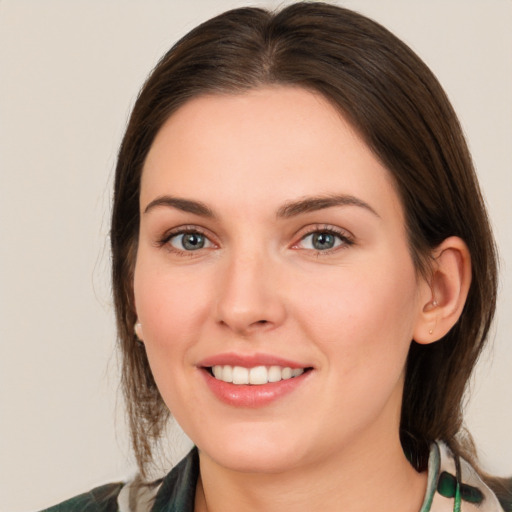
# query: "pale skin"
(254, 178)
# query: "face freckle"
(270, 235)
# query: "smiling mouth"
(257, 375)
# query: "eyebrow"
(315, 203)
(289, 209)
(185, 205)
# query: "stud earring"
(433, 305)
(138, 331)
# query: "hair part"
(400, 110)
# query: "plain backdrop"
(69, 73)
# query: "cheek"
(171, 305)
(163, 292)
(364, 316)
(172, 317)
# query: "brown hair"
(398, 107)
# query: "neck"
(361, 477)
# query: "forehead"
(271, 143)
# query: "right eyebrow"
(185, 205)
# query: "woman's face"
(273, 249)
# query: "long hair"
(399, 109)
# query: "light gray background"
(70, 70)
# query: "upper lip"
(249, 361)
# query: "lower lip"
(252, 396)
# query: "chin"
(256, 453)
(254, 461)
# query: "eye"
(189, 241)
(323, 240)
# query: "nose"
(249, 297)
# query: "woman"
(303, 270)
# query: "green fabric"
(178, 490)
(100, 499)
(176, 493)
(447, 487)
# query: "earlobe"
(138, 331)
(449, 286)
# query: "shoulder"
(174, 493)
(100, 499)
(453, 484)
(502, 487)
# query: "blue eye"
(323, 241)
(189, 241)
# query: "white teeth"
(240, 375)
(274, 374)
(227, 373)
(256, 376)
(286, 373)
(217, 372)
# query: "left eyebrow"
(311, 204)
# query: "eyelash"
(183, 230)
(346, 239)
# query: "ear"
(448, 286)
(137, 328)
(138, 331)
